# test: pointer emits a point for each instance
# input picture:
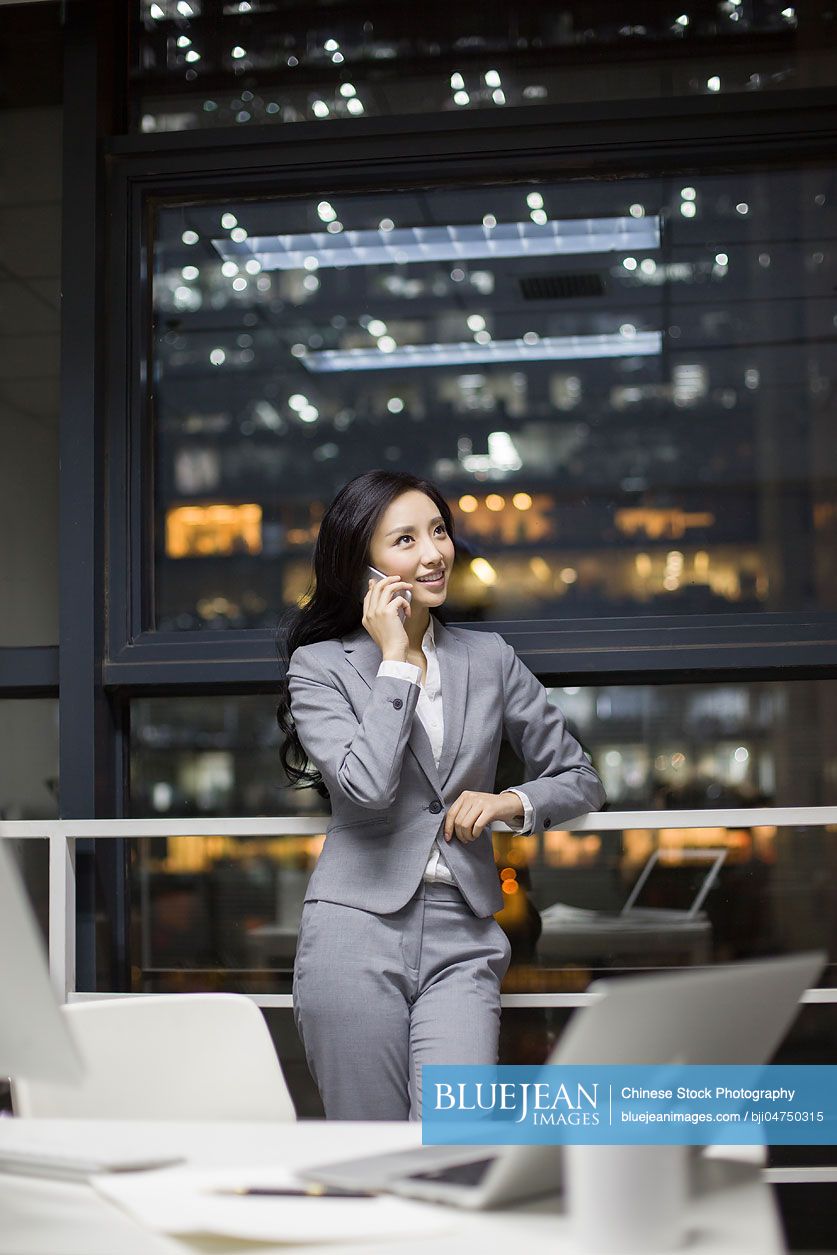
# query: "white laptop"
(731, 1014)
(704, 863)
(36, 1043)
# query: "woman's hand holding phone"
(381, 616)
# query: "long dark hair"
(332, 606)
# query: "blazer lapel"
(365, 657)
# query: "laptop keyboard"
(470, 1173)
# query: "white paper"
(179, 1201)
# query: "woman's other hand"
(471, 812)
(381, 618)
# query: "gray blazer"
(388, 799)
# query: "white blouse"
(429, 710)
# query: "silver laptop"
(731, 1014)
(705, 863)
(35, 1039)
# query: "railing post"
(62, 915)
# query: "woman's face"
(411, 541)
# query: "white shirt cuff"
(528, 812)
(402, 670)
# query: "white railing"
(63, 834)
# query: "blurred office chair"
(166, 1057)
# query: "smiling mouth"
(430, 579)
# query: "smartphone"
(372, 573)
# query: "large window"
(623, 388)
(213, 910)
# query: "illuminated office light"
(530, 337)
(476, 322)
(721, 259)
(334, 228)
(217, 357)
(238, 52)
(539, 217)
(184, 8)
(637, 211)
(209, 530)
(156, 12)
(534, 200)
(190, 237)
(297, 401)
(395, 405)
(742, 208)
(326, 211)
(688, 209)
(193, 56)
(183, 41)
(309, 413)
(338, 58)
(687, 193)
(386, 224)
(320, 109)
(714, 83)
(253, 266)
(238, 235)
(426, 244)
(482, 337)
(629, 263)
(239, 284)
(464, 353)
(355, 105)
(461, 98)
(457, 82)
(492, 78)
(648, 266)
(189, 273)
(229, 269)
(376, 327)
(489, 221)
(682, 20)
(386, 344)
(331, 45)
(347, 89)
(228, 221)
(310, 263)
(311, 283)
(498, 96)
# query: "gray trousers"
(377, 996)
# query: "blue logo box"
(633, 1105)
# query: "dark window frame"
(645, 138)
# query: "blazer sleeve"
(564, 785)
(360, 759)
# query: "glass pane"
(201, 64)
(223, 912)
(622, 389)
(30, 256)
(29, 787)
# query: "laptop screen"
(676, 880)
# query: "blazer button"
(434, 808)
(547, 821)
(397, 703)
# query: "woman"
(399, 959)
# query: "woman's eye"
(441, 528)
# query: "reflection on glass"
(209, 65)
(622, 389)
(223, 912)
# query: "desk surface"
(39, 1217)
